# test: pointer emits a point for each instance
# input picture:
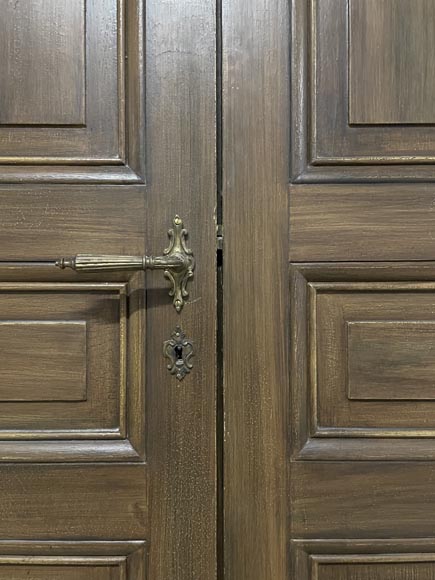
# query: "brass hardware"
(177, 262)
(179, 351)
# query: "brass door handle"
(177, 262)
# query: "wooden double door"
(273, 416)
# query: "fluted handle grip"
(92, 263)
(177, 262)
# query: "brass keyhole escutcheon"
(179, 350)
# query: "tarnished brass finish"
(179, 350)
(177, 262)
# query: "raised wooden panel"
(362, 499)
(364, 560)
(334, 307)
(73, 502)
(42, 68)
(103, 309)
(362, 222)
(391, 360)
(373, 568)
(363, 361)
(362, 106)
(31, 353)
(53, 569)
(71, 378)
(391, 55)
(72, 91)
(72, 561)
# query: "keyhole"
(178, 352)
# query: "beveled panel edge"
(80, 48)
(68, 451)
(367, 449)
(36, 547)
(107, 174)
(337, 174)
(132, 556)
(363, 223)
(129, 166)
(360, 110)
(303, 170)
(306, 554)
(124, 444)
(382, 325)
(82, 325)
(307, 440)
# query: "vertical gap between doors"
(219, 282)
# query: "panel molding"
(309, 555)
(368, 163)
(386, 88)
(127, 162)
(62, 74)
(130, 557)
(310, 440)
(126, 442)
(380, 369)
(67, 345)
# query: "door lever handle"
(177, 262)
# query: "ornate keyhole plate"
(179, 350)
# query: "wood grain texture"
(391, 48)
(362, 499)
(373, 569)
(362, 222)
(29, 362)
(325, 146)
(53, 486)
(42, 223)
(335, 307)
(65, 502)
(79, 570)
(72, 560)
(72, 92)
(101, 410)
(325, 422)
(107, 422)
(43, 47)
(391, 360)
(181, 137)
(255, 174)
(363, 559)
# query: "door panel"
(353, 120)
(73, 561)
(361, 332)
(107, 461)
(362, 222)
(91, 330)
(372, 559)
(329, 356)
(70, 107)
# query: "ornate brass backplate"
(177, 262)
(179, 350)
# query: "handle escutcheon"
(177, 262)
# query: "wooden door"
(107, 131)
(329, 325)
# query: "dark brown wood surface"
(255, 283)
(357, 410)
(181, 153)
(361, 417)
(107, 462)
(384, 78)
